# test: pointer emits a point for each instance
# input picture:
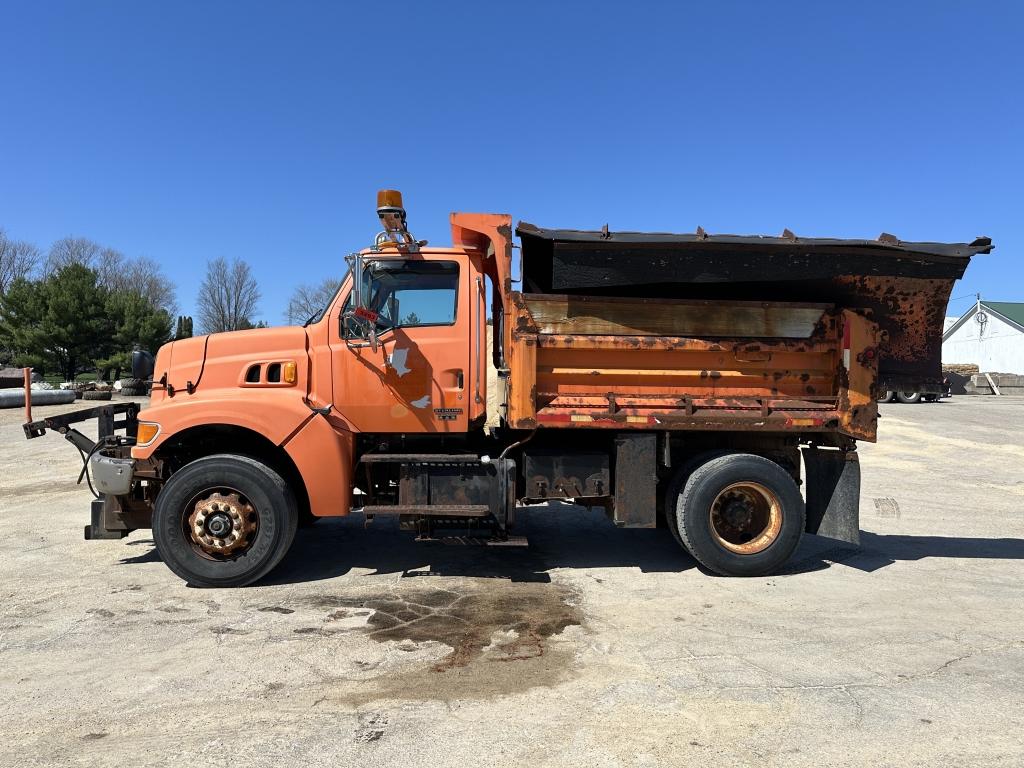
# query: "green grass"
(56, 378)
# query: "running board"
(430, 510)
(418, 458)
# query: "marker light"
(288, 374)
(147, 433)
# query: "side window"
(407, 294)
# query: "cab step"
(430, 510)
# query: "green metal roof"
(1011, 310)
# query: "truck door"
(402, 362)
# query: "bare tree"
(115, 271)
(139, 275)
(228, 296)
(72, 250)
(143, 275)
(17, 259)
(308, 300)
(109, 265)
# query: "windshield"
(408, 294)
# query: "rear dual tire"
(265, 500)
(737, 514)
(907, 398)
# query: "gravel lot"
(591, 647)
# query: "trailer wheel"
(908, 397)
(740, 515)
(224, 521)
(887, 397)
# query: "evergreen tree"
(22, 308)
(135, 323)
(76, 327)
(183, 329)
(70, 322)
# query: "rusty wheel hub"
(746, 518)
(222, 524)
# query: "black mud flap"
(833, 493)
(104, 514)
(636, 480)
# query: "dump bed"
(723, 332)
(902, 286)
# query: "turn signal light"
(147, 433)
(288, 373)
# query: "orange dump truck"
(715, 383)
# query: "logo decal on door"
(447, 414)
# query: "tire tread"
(689, 534)
(282, 545)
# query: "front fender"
(275, 415)
(322, 455)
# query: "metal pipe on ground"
(28, 394)
(15, 398)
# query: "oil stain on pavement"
(500, 635)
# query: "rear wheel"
(887, 396)
(675, 487)
(931, 398)
(224, 521)
(908, 397)
(740, 515)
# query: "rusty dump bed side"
(671, 364)
(901, 287)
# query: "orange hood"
(220, 360)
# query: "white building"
(990, 335)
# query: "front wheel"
(740, 515)
(224, 521)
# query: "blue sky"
(190, 130)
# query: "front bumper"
(112, 475)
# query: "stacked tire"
(134, 387)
